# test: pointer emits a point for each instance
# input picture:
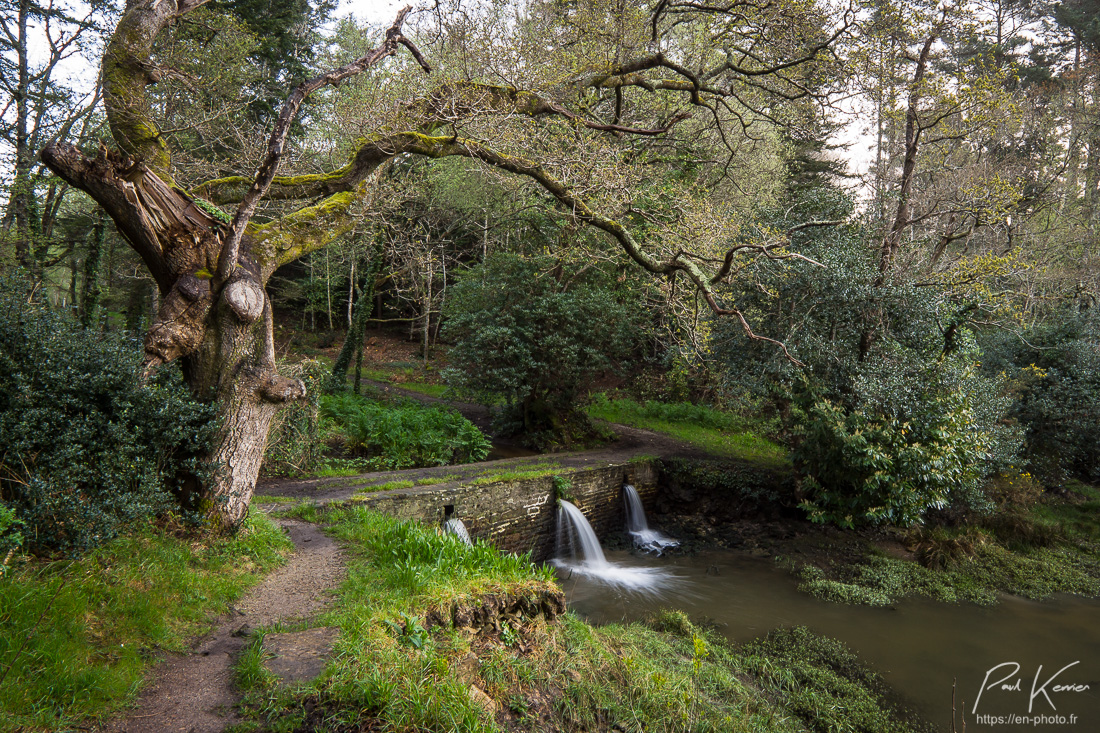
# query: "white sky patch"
(372, 11)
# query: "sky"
(372, 11)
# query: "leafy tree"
(586, 120)
(880, 435)
(535, 334)
(37, 41)
(287, 33)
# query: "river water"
(919, 647)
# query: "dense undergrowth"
(76, 637)
(397, 667)
(87, 446)
(359, 434)
(388, 436)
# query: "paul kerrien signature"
(1012, 682)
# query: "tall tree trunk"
(353, 343)
(220, 326)
(223, 336)
(21, 185)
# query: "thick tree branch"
(282, 239)
(127, 70)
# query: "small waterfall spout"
(456, 528)
(579, 552)
(576, 536)
(644, 538)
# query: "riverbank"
(438, 636)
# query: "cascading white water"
(578, 536)
(455, 527)
(579, 552)
(644, 538)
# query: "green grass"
(822, 682)
(390, 672)
(718, 433)
(388, 486)
(77, 636)
(404, 377)
(1051, 547)
(262, 499)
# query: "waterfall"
(457, 529)
(576, 534)
(579, 552)
(644, 538)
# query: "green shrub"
(405, 435)
(1056, 370)
(529, 332)
(871, 466)
(85, 446)
(891, 414)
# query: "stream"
(919, 647)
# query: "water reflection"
(919, 647)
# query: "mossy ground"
(1050, 544)
(401, 664)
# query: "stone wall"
(520, 516)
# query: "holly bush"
(85, 445)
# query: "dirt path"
(195, 693)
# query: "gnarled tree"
(215, 314)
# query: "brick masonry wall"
(520, 516)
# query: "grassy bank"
(718, 433)
(1047, 544)
(76, 637)
(421, 648)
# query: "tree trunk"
(220, 326)
(353, 343)
(223, 335)
(22, 187)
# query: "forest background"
(911, 333)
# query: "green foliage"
(409, 631)
(1055, 368)
(85, 446)
(563, 489)
(287, 35)
(890, 415)
(537, 335)
(887, 467)
(77, 637)
(822, 682)
(966, 566)
(404, 435)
